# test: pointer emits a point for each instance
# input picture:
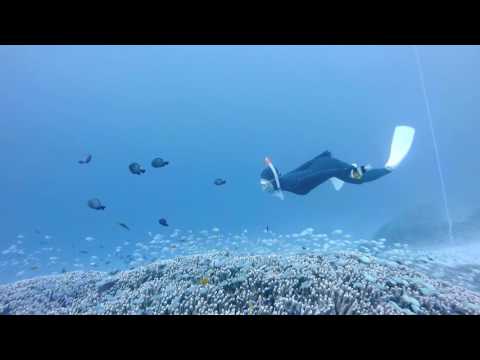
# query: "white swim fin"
(401, 144)
(337, 183)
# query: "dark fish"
(124, 226)
(84, 251)
(163, 222)
(136, 168)
(159, 162)
(37, 232)
(64, 271)
(107, 262)
(34, 268)
(95, 204)
(219, 182)
(86, 160)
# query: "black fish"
(86, 160)
(136, 168)
(158, 163)
(219, 182)
(95, 204)
(124, 226)
(163, 222)
(84, 251)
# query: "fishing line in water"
(435, 146)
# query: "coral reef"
(343, 283)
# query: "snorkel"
(268, 185)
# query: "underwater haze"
(217, 112)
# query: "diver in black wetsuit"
(318, 170)
(308, 176)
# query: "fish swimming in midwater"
(95, 204)
(159, 162)
(136, 168)
(34, 268)
(124, 226)
(219, 182)
(163, 222)
(83, 251)
(85, 160)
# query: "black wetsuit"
(318, 170)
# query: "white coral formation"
(345, 283)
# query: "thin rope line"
(432, 130)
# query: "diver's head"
(267, 180)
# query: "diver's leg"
(374, 174)
(368, 175)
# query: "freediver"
(324, 167)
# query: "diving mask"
(267, 186)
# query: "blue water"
(217, 111)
